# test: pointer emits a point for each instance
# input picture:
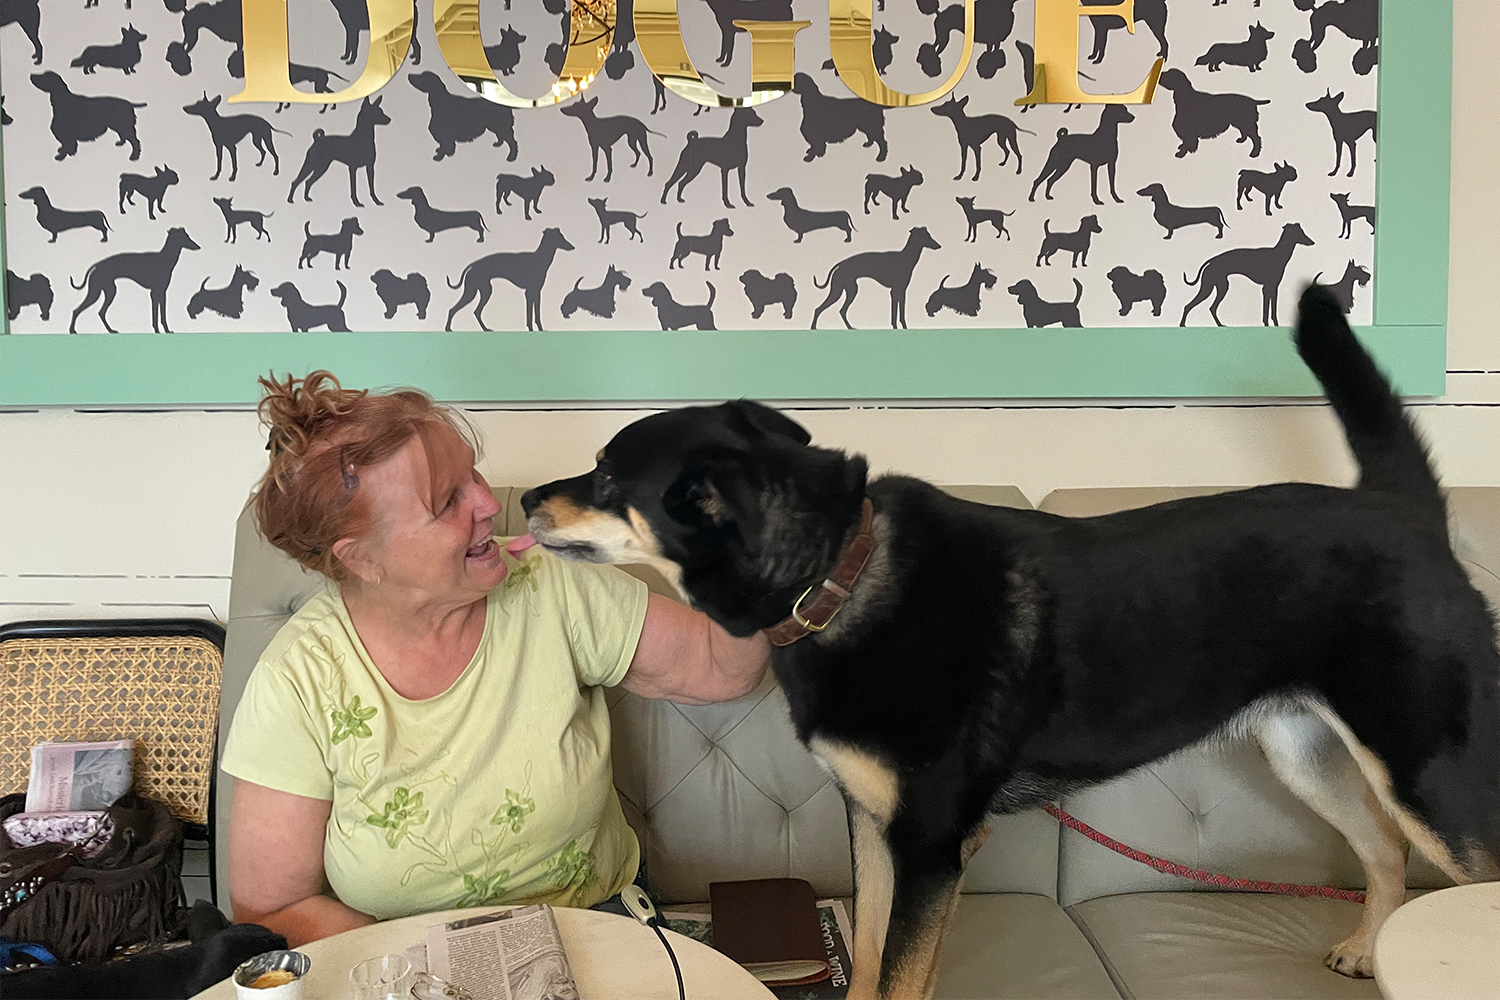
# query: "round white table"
(613, 958)
(1444, 945)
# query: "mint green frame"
(1408, 335)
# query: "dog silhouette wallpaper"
(139, 199)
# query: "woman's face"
(439, 548)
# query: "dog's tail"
(1047, 227)
(828, 280)
(343, 293)
(710, 303)
(85, 278)
(195, 304)
(1391, 456)
(679, 230)
(1199, 276)
(307, 229)
(1078, 295)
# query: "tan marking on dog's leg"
(863, 777)
(915, 974)
(971, 847)
(874, 881)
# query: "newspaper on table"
(79, 777)
(833, 920)
(511, 955)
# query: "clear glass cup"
(388, 977)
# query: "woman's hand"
(276, 865)
(684, 656)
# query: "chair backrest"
(156, 681)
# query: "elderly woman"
(430, 730)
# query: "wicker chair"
(156, 680)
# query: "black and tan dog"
(988, 659)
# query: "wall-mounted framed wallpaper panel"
(1243, 128)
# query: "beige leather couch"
(726, 792)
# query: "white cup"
(291, 961)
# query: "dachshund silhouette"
(1153, 12)
(994, 20)
(1265, 266)
(234, 216)
(219, 17)
(56, 220)
(978, 216)
(1200, 115)
(33, 291)
(529, 188)
(803, 221)
(962, 299)
(891, 268)
(763, 291)
(1347, 127)
(355, 150)
(151, 270)
(603, 133)
(600, 300)
(228, 132)
(505, 56)
(1076, 242)
(436, 220)
(1173, 217)
(396, 292)
(527, 270)
(1359, 20)
(227, 301)
(1131, 288)
(897, 189)
(726, 12)
(304, 316)
(152, 188)
(79, 118)
(339, 245)
(609, 218)
(730, 151)
(974, 132)
(1039, 312)
(455, 119)
(1269, 184)
(827, 120)
(710, 246)
(28, 14)
(1343, 290)
(674, 315)
(1099, 148)
(124, 55)
(1350, 212)
(1250, 53)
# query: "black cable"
(656, 926)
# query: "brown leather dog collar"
(834, 591)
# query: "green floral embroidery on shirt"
(351, 721)
(572, 867)
(481, 889)
(514, 812)
(525, 573)
(403, 811)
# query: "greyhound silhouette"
(228, 132)
(891, 268)
(56, 220)
(730, 151)
(227, 301)
(28, 14)
(355, 150)
(1265, 266)
(1359, 20)
(151, 270)
(1099, 148)
(527, 270)
(1347, 127)
(974, 132)
(455, 119)
(603, 133)
(79, 118)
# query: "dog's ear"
(761, 419)
(715, 489)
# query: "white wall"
(126, 513)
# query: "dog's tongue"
(518, 545)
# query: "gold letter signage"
(267, 64)
(1056, 77)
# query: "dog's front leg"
(873, 885)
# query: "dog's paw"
(1352, 958)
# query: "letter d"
(267, 63)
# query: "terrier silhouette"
(803, 221)
(124, 56)
(710, 246)
(220, 17)
(891, 268)
(962, 299)
(674, 315)
(608, 219)
(1039, 312)
(526, 270)
(1343, 290)
(455, 119)
(726, 12)
(152, 188)
(1153, 12)
(505, 56)
(897, 189)
(436, 220)
(881, 47)
(28, 14)
(355, 150)
(1099, 148)
(227, 133)
(339, 245)
(79, 118)
(396, 292)
(234, 216)
(56, 220)
(1131, 288)
(1347, 127)
(1265, 266)
(151, 270)
(1269, 184)
(1250, 53)
(827, 120)
(1173, 217)
(304, 316)
(978, 216)
(21, 292)
(227, 301)
(974, 132)
(1076, 242)
(603, 133)
(1350, 212)
(529, 188)
(1200, 115)
(763, 291)
(1359, 20)
(994, 20)
(600, 300)
(730, 151)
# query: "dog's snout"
(529, 501)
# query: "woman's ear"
(356, 558)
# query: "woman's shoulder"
(318, 630)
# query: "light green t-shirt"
(498, 790)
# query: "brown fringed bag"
(128, 893)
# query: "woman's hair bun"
(294, 409)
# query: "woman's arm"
(276, 865)
(684, 656)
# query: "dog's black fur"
(993, 659)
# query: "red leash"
(1212, 878)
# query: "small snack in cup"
(276, 977)
(272, 975)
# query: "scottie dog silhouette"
(220, 17)
(33, 291)
(356, 18)
(436, 220)
(891, 268)
(124, 55)
(827, 120)
(1174, 217)
(28, 14)
(1359, 20)
(726, 12)
(56, 220)
(151, 270)
(527, 270)
(1343, 290)
(974, 132)
(79, 118)
(528, 187)
(455, 119)
(1265, 266)
(673, 315)
(355, 150)
(304, 316)
(1269, 184)
(1350, 212)
(227, 133)
(710, 246)
(1153, 12)
(1099, 148)
(978, 216)
(897, 188)
(1347, 127)
(763, 291)
(505, 56)
(1250, 53)
(396, 292)
(1039, 312)
(608, 219)
(339, 244)
(153, 188)
(1076, 242)
(603, 133)
(600, 300)
(803, 220)
(962, 299)
(994, 20)
(227, 301)
(1201, 116)
(1131, 288)
(234, 216)
(730, 151)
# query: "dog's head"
(618, 278)
(286, 292)
(1118, 274)
(383, 278)
(951, 108)
(1293, 231)
(1116, 113)
(1175, 79)
(748, 116)
(409, 193)
(129, 34)
(730, 502)
(351, 227)
(1023, 290)
(984, 275)
(1260, 34)
(50, 82)
(553, 237)
(178, 237)
(427, 82)
(1089, 224)
(721, 228)
(34, 194)
(657, 293)
(543, 175)
(752, 278)
(801, 84)
(248, 277)
(1153, 191)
